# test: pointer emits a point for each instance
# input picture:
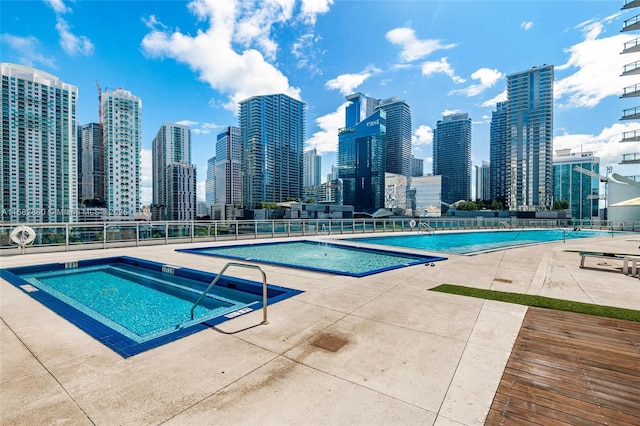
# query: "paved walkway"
(410, 356)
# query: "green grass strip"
(542, 302)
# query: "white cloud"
(488, 78)
(305, 51)
(422, 136)
(187, 123)
(501, 97)
(450, 112)
(347, 83)
(326, 139)
(27, 49)
(201, 190)
(526, 25)
(442, 66)
(311, 8)
(146, 180)
(71, 43)
(605, 145)
(597, 63)
(211, 54)
(253, 27)
(412, 47)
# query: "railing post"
(66, 239)
(137, 233)
(166, 232)
(104, 235)
(193, 230)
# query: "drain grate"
(329, 342)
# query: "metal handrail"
(426, 227)
(241, 265)
(505, 224)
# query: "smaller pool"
(132, 305)
(477, 241)
(319, 256)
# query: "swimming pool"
(477, 241)
(319, 256)
(132, 305)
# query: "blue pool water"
(319, 256)
(471, 242)
(133, 305)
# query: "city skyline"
(191, 63)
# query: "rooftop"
(382, 349)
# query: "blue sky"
(191, 62)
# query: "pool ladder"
(240, 265)
(426, 228)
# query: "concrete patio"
(410, 356)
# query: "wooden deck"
(571, 369)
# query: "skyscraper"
(210, 184)
(452, 156)
(398, 139)
(312, 168)
(417, 166)
(580, 190)
(361, 107)
(229, 167)
(181, 191)
(498, 153)
(482, 181)
(39, 146)
(361, 162)
(530, 139)
(171, 145)
(273, 133)
(122, 142)
(90, 163)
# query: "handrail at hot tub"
(241, 265)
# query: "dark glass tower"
(273, 131)
(452, 156)
(498, 153)
(361, 162)
(398, 139)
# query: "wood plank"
(568, 368)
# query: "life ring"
(621, 225)
(22, 235)
(412, 223)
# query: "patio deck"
(406, 355)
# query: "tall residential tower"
(39, 146)
(452, 156)
(228, 173)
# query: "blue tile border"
(118, 342)
(419, 259)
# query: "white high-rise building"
(171, 145)
(210, 184)
(122, 141)
(39, 181)
(228, 179)
(312, 168)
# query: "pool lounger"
(629, 261)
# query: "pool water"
(477, 241)
(319, 256)
(132, 305)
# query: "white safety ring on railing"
(23, 235)
(621, 224)
(412, 223)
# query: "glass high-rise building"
(580, 190)
(228, 190)
(312, 167)
(452, 156)
(498, 153)
(210, 184)
(39, 147)
(398, 139)
(530, 139)
(425, 196)
(273, 134)
(90, 163)
(482, 181)
(362, 162)
(172, 144)
(417, 166)
(122, 141)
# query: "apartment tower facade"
(452, 156)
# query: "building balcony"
(631, 91)
(631, 114)
(632, 46)
(632, 136)
(631, 24)
(633, 158)
(630, 4)
(631, 69)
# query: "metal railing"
(52, 237)
(241, 265)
